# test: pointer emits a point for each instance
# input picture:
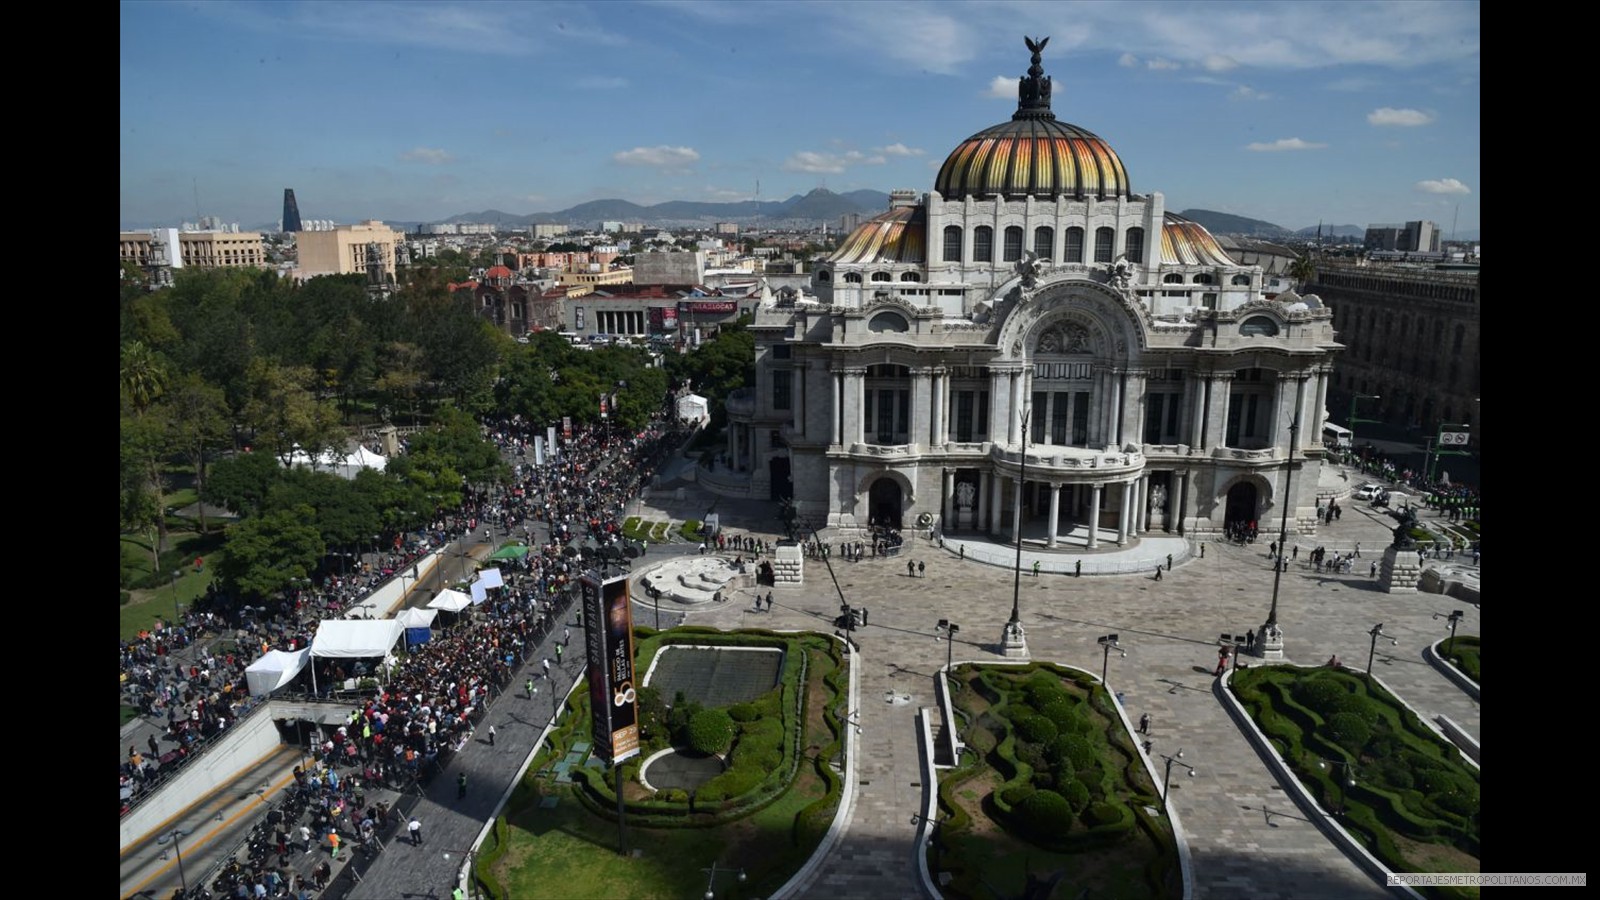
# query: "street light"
(176, 835)
(1376, 632)
(1106, 643)
(1349, 778)
(472, 860)
(711, 882)
(950, 630)
(176, 613)
(1166, 786)
(1455, 619)
(554, 702)
(937, 837)
(1271, 634)
(1013, 640)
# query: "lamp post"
(1107, 642)
(554, 701)
(1176, 760)
(1354, 398)
(1349, 778)
(950, 630)
(176, 835)
(1376, 632)
(711, 881)
(1455, 619)
(176, 614)
(1270, 643)
(937, 837)
(472, 860)
(1013, 639)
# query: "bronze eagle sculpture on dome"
(1037, 46)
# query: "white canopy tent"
(339, 464)
(417, 618)
(450, 601)
(694, 407)
(354, 638)
(274, 670)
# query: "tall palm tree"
(1302, 270)
(143, 375)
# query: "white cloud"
(1161, 65)
(830, 163)
(1127, 60)
(909, 33)
(1442, 186)
(899, 150)
(429, 155)
(1002, 87)
(661, 157)
(1284, 144)
(1246, 92)
(1216, 62)
(1406, 117)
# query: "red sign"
(705, 307)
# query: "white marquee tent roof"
(450, 601)
(350, 638)
(274, 670)
(417, 618)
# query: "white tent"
(274, 670)
(366, 459)
(694, 407)
(337, 463)
(417, 618)
(450, 601)
(352, 638)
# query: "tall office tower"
(291, 211)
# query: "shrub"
(1078, 751)
(1323, 696)
(1077, 796)
(126, 598)
(1349, 731)
(1036, 729)
(675, 795)
(1101, 814)
(710, 731)
(1046, 814)
(744, 712)
(1452, 792)
(1017, 793)
(735, 782)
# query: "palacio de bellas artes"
(1033, 346)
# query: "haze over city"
(1349, 113)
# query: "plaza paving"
(1248, 839)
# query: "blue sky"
(1350, 112)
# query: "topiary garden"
(1051, 792)
(1403, 792)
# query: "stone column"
(985, 486)
(921, 404)
(1301, 414)
(1141, 522)
(1133, 407)
(838, 406)
(999, 485)
(1094, 516)
(1315, 418)
(1055, 513)
(1014, 408)
(1178, 502)
(1016, 508)
(1217, 408)
(936, 433)
(1114, 410)
(999, 394)
(797, 404)
(854, 381)
(800, 414)
(948, 517)
(1125, 514)
(1195, 407)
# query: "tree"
(140, 509)
(144, 376)
(283, 411)
(1302, 270)
(240, 482)
(196, 417)
(269, 553)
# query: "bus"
(1336, 437)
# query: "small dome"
(1188, 243)
(893, 237)
(1033, 154)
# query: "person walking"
(461, 786)
(529, 688)
(566, 636)
(1158, 572)
(416, 832)
(921, 568)
(1373, 572)
(1357, 553)
(333, 844)
(546, 664)
(769, 601)
(1144, 724)
(1036, 568)
(491, 735)
(305, 838)
(911, 569)
(560, 648)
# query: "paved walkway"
(1247, 837)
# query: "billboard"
(608, 636)
(705, 307)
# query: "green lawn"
(149, 604)
(1464, 653)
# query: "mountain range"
(822, 206)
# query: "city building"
(1413, 338)
(1412, 237)
(343, 250)
(195, 249)
(1033, 309)
(291, 211)
(669, 267)
(545, 231)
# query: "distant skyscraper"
(291, 211)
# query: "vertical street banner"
(550, 442)
(566, 427)
(538, 450)
(608, 636)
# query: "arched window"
(1044, 242)
(1074, 249)
(888, 321)
(824, 276)
(1013, 248)
(1241, 280)
(983, 244)
(1258, 325)
(880, 276)
(1172, 278)
(1133, 247)
(852, 278)
(910, 276)
(1104, 239)
(952, 243)
(1204, 278)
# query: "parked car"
(1368, 491)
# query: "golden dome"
(892, 237)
